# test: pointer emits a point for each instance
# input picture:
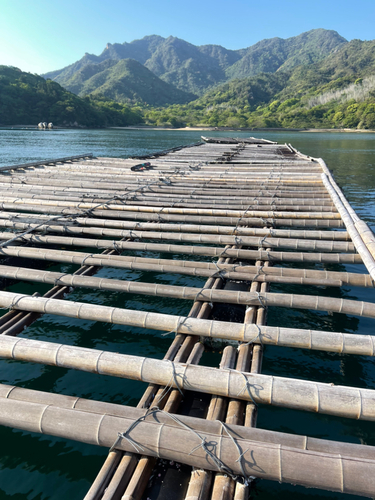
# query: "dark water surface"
(40, 467)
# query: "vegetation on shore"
(29, 99)
(338, 92)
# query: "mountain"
(338, 91)
(127, 81)
(275, 54)
(140, 50)
(195, 69)
(29, 99)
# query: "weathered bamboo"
(196, 268)
(46, 162)
(181, 202)
(224, 486)
(361, 247)
(181, 228)
(176, 169)
(299, 442)
(169, 210)
(317, 397)
(233, 196)
(265, 255)
(178, 175)
(367, 236)
(40, 276)
(115, 184)
(360, 227)
(288, 243)
(331, 471)
(343, 306)
(163, 187)
(239, 413)
(201, 481)
(161, 217)
(288, 337)
(204, 178)
(134, 469)
(139, 479)
(177, 352)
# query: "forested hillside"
(126, 81)
(29, 99)
(336, 92)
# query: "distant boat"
(45, 126)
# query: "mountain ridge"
(194, 69)
(126, 81)
(337, 92)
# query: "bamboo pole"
(161, 217)
(139, 479)
(156, 194)
(180, 202)
(135, 470)
(246, 241)
(178, 352)
(75, 194)
(45, 162)
(299, 442)
(183, 228)
(165, 188)
(33, 275)
(361, 247)
(311, 396)
(195, 268)
(188, 250)
(114, 183)
(224, 486)
(268, 461)
(249, 360)
(288, 337)
(170, 210)
(179, 175)
(342, 306)
(367, 236)
(361, 234)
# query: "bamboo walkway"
(243, 214)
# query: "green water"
(39, 467)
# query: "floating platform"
(242, 214)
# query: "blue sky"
(40, 36)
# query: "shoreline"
(223, 129)
(199, 129)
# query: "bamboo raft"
(242, 214)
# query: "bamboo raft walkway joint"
(246, 214)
